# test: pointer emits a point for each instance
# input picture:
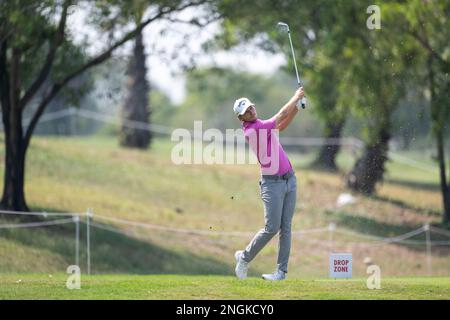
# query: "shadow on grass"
(112, 252)
(368, 226)
(404, 205)
(415, 184)
(372, 227)
(313, 165)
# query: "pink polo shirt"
(264, 142)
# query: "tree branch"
(5, 34)
(46, 68)
(195, 21)
(428, 47)
(96, 61)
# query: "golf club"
(285, 26)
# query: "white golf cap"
(241, 105)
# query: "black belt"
(278, 177)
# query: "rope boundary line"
(331, 228)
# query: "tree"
(136, 106)
(28, 32)
(426, 22)
(374, 84)
(211, 91)
(318, 36)
(327, 65)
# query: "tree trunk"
(327, 155)
(443, 179)
(369, 169)
(13, 187)
(446, 218)
(12, 105)
(136, 104)
(13, 191)
(438, 129)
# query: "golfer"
(278, 183)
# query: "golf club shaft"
(303, 100)
(293, 56)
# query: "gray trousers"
(279, 197)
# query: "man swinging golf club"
(278, 183)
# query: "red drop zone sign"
(340, 265)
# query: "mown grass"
(73, 174)
(175, 287)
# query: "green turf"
(73, 174)
(160, 287)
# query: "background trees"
(367, 72)
(33, 49)
(352, 74)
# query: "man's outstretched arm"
(284, 117)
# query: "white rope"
(35, 224)
(104, 227)
(108, 118)
(440, 243)
(42, 214)
(412, 163)
(406, 242)
(286, 141)
(373, 244)
(308, 231)
(294, 141)
(247, 233)
(381, 241)
(384, 241)
(50, 116)
(355, 234)
(128, 123)
(440, 231)
(391, 239)
(405, 236)
(176, 230)
(324, 242)
(198, 231)
(377, 241)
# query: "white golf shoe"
(241, 266)
(276, 276)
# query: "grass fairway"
(128, 262)
(174, 287)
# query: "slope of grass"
(175, 287)
(73, 174)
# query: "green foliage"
(346, 65)
(319, 33)
(32, 27)
(211, 93)
(424, 26)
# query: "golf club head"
(283, 26)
